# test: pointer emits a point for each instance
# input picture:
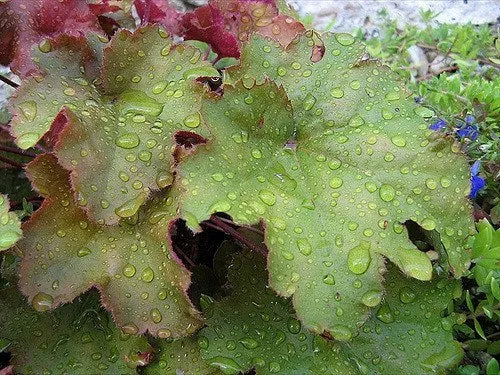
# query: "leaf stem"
(13, 163)
(216, 223)
(8, 81)
(178, 250)
(17, 151)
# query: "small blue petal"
(474, 170)
(470, 131)
(469, 120)
(476, 184)
(418, 99)
(438, 125)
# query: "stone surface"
(351, 14)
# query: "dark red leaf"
(24, 23)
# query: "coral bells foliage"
(323, 148)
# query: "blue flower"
(476, 183)
(469, 119)
(470, 131)
(438, 125)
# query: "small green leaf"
(470, 306)
(495, 289)
(479, 329)
(494, 348)
(492, 368)
(10, 226)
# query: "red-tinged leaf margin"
(45, 184)
(225, 24)
(24, 24)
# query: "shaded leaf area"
(113, 128)
(26, 24)
(334, 163)
(79, 338)
(226, 24)
(10, 225)
(64, 254)
(408, 334)
(251, 327)
(182, 356)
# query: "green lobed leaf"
(65, 254)
(253, 327)
(115, 128)
(79, 338)
(10, 225)
(333, 163)
(407, 334)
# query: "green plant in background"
(346, 213)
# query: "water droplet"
(267, 197)
(129, 270)
(371, 298)
(130, 329)
(257, 154)
(424, 112)
(344, 39)
(384, 314)
(42, 302)
(406, 295)
(359, 258)
(163, 179)
(304, 246)
(128, 140)
(281, 71)
(293, 325)
(84, 251)
(192, 121)
(371, 186)
(337, 93)
(387, 193)
(398, 141)
(147, 275)
(155, 315)
(249, 343)
(336, 182)
(27, 140)
(138, 103)
(130, 207)
(329, 279)
(356, 121)
(428, 224)
(309, 102)
(45, 46)
(226, 365)
(341, 332)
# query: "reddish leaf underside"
(226, 24)
(24, 23)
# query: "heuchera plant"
(323, 162)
